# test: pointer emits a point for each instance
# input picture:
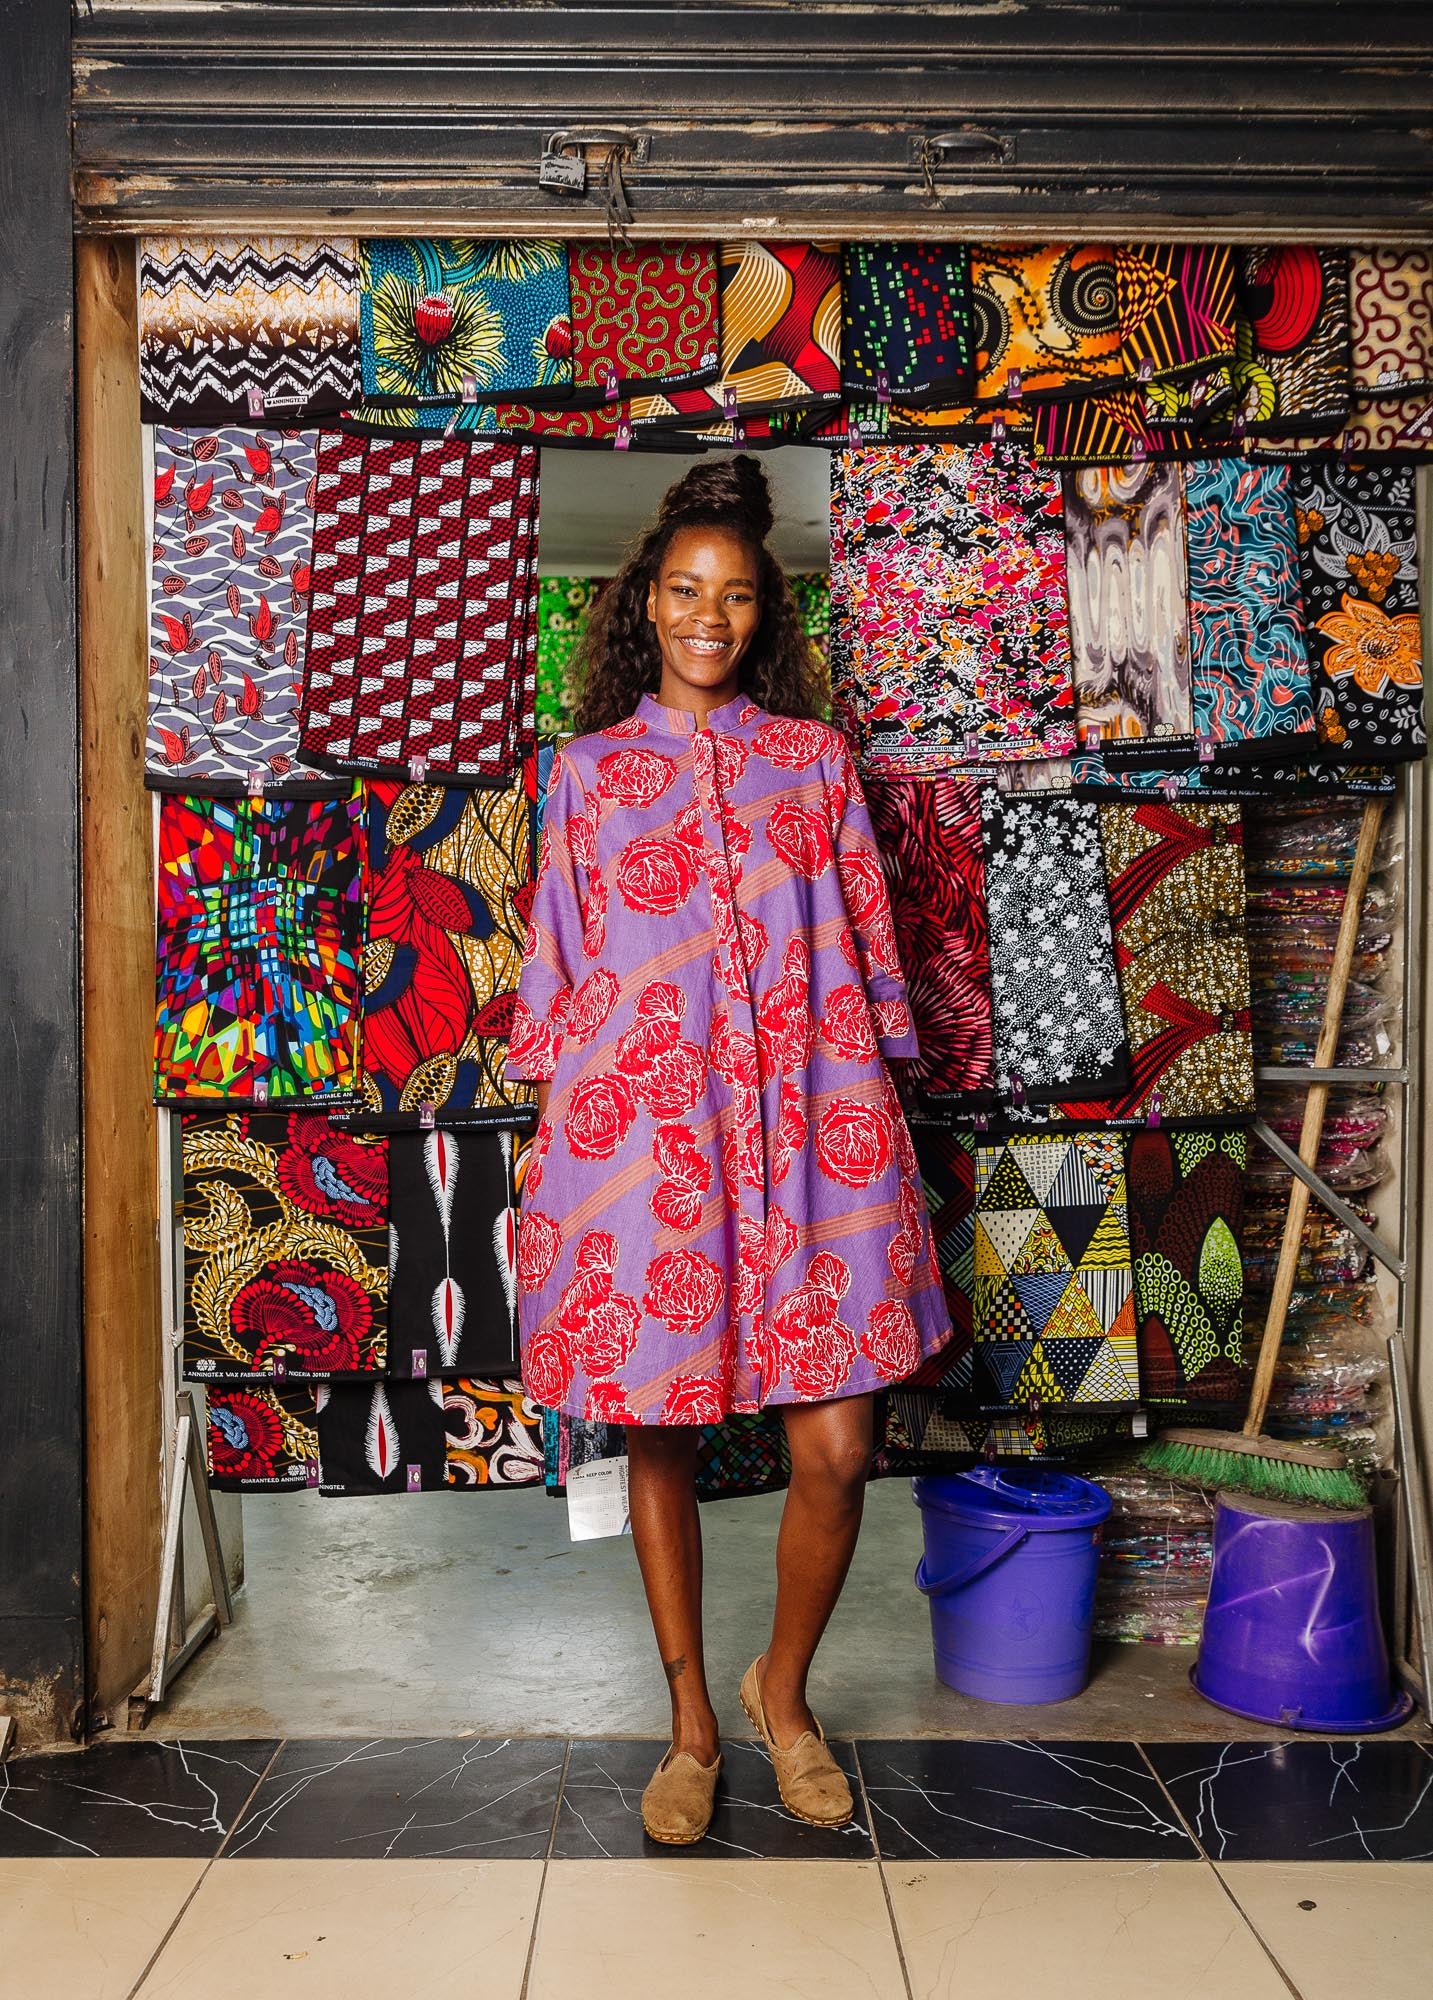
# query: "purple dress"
(723, 1209)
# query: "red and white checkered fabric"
(422, 632)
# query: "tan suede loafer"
(681, 1793)
(811, 1783)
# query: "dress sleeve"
(553, 947)
(868, 908)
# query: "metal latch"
(929, 150)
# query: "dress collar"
(681, 722)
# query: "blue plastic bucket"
(1291, 1631)
(1009, 1567)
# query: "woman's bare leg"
(667, 1531)
(830, 1459)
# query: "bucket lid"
(1011, 1496)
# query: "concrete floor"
(444, 1613)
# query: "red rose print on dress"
(694, 1399)
(547, 1367)
(684, 1290)
(733, 1052)
(632, 725)
(846, 1025)
(784, 1027)
(904, 1246)
(635, 778)
(686, 1172)
(538, 1241)
(531, 1044)
(893, 1019)
(599, 1321)
(791, 743)
(790, 1134)
(800, 835)
(310, 1317)
(863, 887)
(854, 1143)
(672, 1081)
(891, 1342)
(657, 1026)
(594, 919)
(731, 756)
(742, 1163)
(687, 826)
(599, 1115)
(750, 1289)
(900, 1131)
(591, 1004)
(582, 841)
(532, 1179)
(816, 1348)
(657, 875)
(607, 1404)
(781, 1240)
(833, 804)
(531, 943)
(846, 945)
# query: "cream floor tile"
(705, 1930)
(1082, 1930)
(1370, 1927)
(327, 1930)
(78, 1929)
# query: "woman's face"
(705, 607)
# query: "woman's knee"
(836, 1459)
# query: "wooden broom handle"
(1315, 1106)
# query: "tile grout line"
(1212, 1865)
(881, 1870)
(546, 1864)
(203, 1875)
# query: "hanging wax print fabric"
(1186, 1210)
(1129, 621)
(233, 328)
(450, 319)
(422, 634)
(233, 537)
(947, 1171)
(950, 621)
(261, 1438)
(644, 315)
(1391, 309)
(1176, 306)
(387, 1437)
(1046, 320)
(452, 1253)
(1058, 1025)
(1053, 1287)
(494, 1435)
(451, 873)
(722, 1210)
(285, 1248)
(259, 930)
(906, 322)
(1291, 362)
(1358, 560)
(1246, 614)
(1395, 428)
(930, 840)
(1112, 426)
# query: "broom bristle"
(1267, 1478)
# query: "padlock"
(566, 173)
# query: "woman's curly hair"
(617, 660)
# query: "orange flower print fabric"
(723, 1209)
(1358, 567)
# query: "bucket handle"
(1008, 1541)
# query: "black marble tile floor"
(543, 1797)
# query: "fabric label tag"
(597, 1500)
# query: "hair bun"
(722, 492)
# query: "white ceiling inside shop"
(595, 502)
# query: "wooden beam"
(122, 1332)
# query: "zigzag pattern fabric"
(224, 319)
(422, 635)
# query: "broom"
(1245, 1461)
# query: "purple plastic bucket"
(1291, 1631)
(1009, 1568)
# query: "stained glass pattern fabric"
(950, 620)
(494, 1435)
(1358, 562)
(1053, 1285)
(285, 1248)
(390, 1437)
(1046, 319)
(1246, 615)
(451, 893)
(933, 855)
(1391, 309)
(261, 1438)
(906, 322)
(721, 1212)
(1055, 994)
(1129, 619)
(1186, 1206)
(224, 319)
(1291, 361)
(233, 537)
(260, 926)
(1176, 306)
(441, 313)
(422, 636)
(452, 1253)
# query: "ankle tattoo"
(674, 1669)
